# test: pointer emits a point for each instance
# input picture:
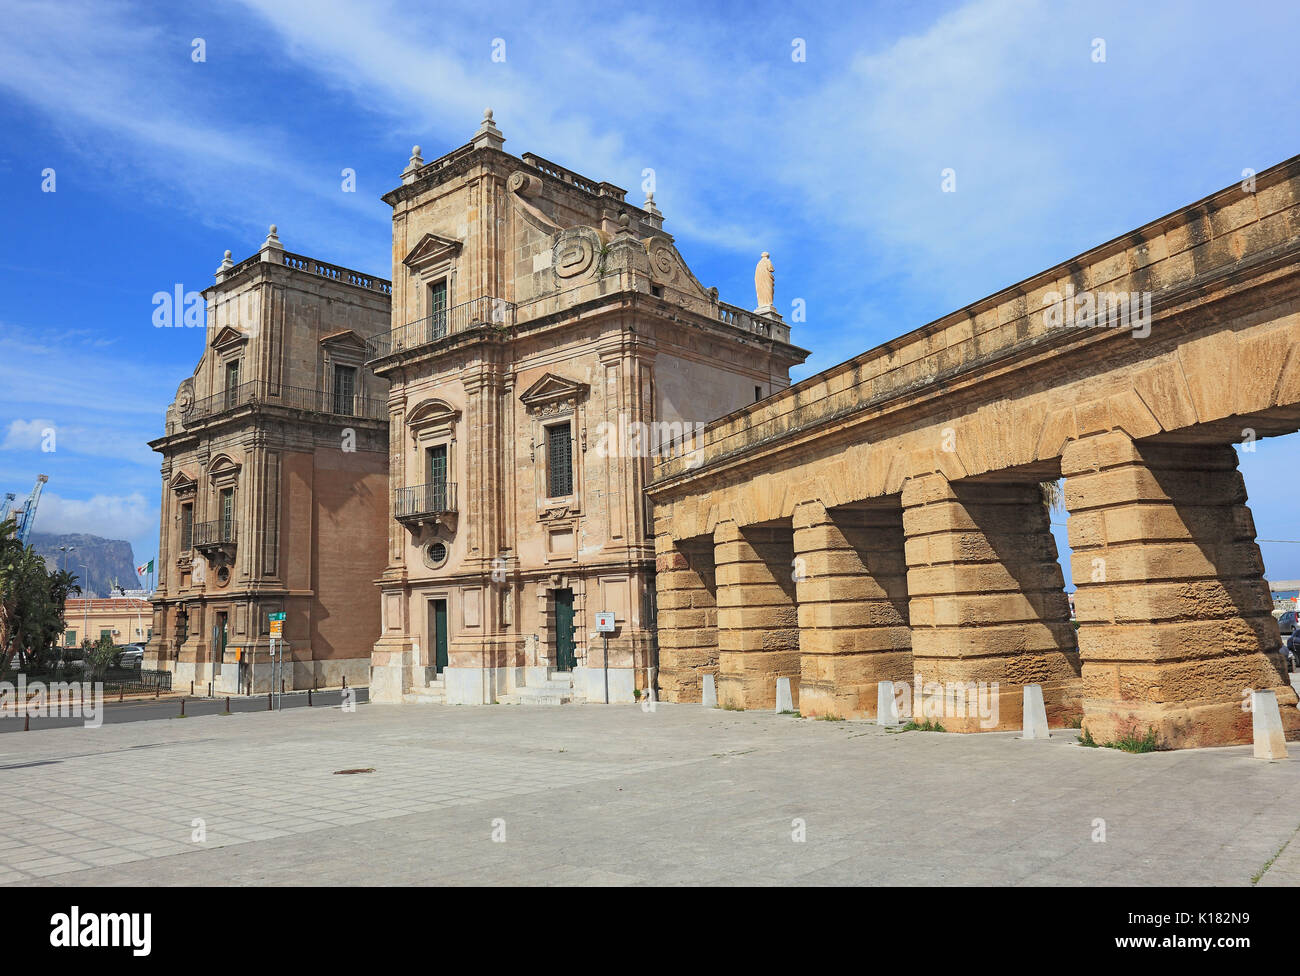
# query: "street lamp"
(65, 550)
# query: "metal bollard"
(191, 687)
(309, 698)
(227, 703)
(182, 708)
(209, 689)
(121, 693)
(345, 682)
(27, 722)
(268, 701)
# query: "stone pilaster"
(687, 616)
(852, 597)
(987, 603)
(758, 628)
(1175, 617)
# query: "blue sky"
(831, 163)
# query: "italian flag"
(146, 568)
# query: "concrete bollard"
(710, 696)
(1035, 714)
(784, 699)
(886, 706)
(1266, 722)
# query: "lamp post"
(65, 550)
(85, 606)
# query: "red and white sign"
(604, 622)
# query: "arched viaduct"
(884, 519)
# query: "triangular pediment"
(228, 336)
(182, 481)
(551, 388)
(344, 337)
(431, 249)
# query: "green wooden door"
(565, 659)
(440, 635)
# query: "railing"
(419, 501)
(335, 273)
(219, 532)
(478, 312)
(259, 393)
(741, 319)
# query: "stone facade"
(548, 340)
(126, 620)
(275, 480)
(904, 488)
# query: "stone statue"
(765, 282)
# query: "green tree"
(32, 601)
(99, 657)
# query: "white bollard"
(1035, 717)
(1266, 723)
(886, 707)
(710, 698)
(784, 699)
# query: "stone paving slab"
(614, 795)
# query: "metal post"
(182, 707)
(606, 669)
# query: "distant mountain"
(104, 559)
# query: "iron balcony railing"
(260, 393)
(480, 312)
(421, 501)
(219, 532)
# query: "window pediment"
(432, 249)
(432, 416)
(552, 394)
(228, 337)
(345, 338)
(182, 483)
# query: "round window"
(223, 576)
(436, 554)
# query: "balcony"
(259, 393)
(478, 313)
(216, 535)
(425, 503)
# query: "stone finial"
(272, 249)
(226, 264)
(415, 162)
(488, 134)
(649, 205)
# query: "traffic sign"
(275, 616)
(604, 622)
(277, 629)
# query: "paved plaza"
(594, 794)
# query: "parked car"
(1292, 650)
(1287, 622)
(132, 656)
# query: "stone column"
(688, 617)
(758, 628)
(1176, 624)
(987, 604)
(852, 599)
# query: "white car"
(132, 657)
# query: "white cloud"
(110, 516)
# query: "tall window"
(438, 309)
(187, 527)
(559, 461)
(345, 388)
(232, 383)
(437, 480)
(71, 639)
(227, 513)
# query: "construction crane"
(25, 516)
(6, 505)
